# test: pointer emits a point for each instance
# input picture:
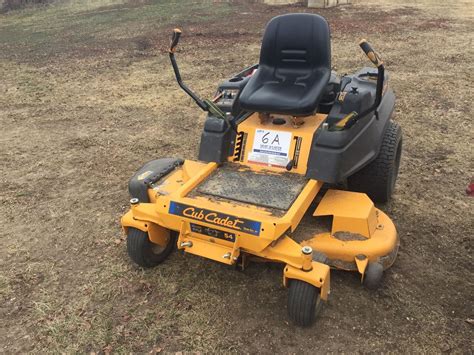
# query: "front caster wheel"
(373, 276)
(145, 253)
(304, 302)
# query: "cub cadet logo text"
(213, 218)
(216, 218)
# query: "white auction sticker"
(270, 148)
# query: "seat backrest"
(294, 68)
(296, 43)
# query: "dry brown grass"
(87, 95)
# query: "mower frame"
(324, 147)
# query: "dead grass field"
(87, 95)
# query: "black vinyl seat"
(294, 68)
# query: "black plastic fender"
(336, 155)
(150, 173)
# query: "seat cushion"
(294, 97)
(294, 68)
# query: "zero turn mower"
(274, 134)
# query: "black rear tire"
(145, 253)
(304, 302)
(378, 178)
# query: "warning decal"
(270, 148)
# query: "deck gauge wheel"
(373, 275)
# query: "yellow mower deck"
(226, 228)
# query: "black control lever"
(350, 119)
(205, 105)
(175, 39)
(378, 62)
(174, 43)
(371, 54)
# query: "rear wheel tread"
(377, 179)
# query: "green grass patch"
(72, 26)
